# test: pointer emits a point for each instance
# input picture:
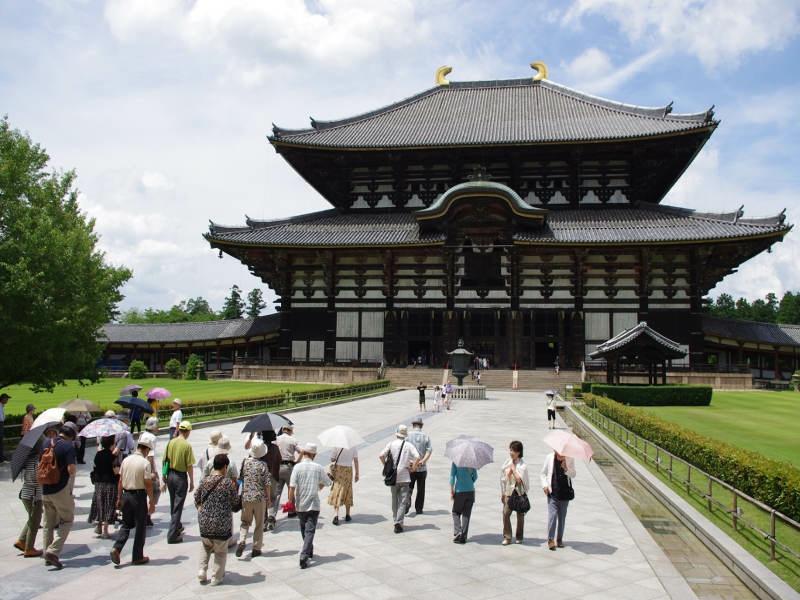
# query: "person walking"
(135, 499)
(180, 459)
(150, 432)
(256, 497)
(57, 500)
(308, 478)
(556, 478)
(344, 462)
(4, 398)
(421, 389)
(422, 442)
(223, 447)
(513, 478)
(551, 409)
(27, 420)
(437, 398)
(216, 499)
(288, 449)
(205, 462)
(556, 366)
(176, 418)
(462, 493)
(448, 392)
(83, 419)
(405, 459)
(31, 497)
(105, 476)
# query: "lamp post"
(460, 359)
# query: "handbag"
(519, 502)
(389, 468)
(165, 461)
(331, 471)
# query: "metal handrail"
(633, 441)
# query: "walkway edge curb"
(755, 575)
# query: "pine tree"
(255, 303)
(233, 308)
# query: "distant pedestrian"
(256, 497)
(422, 442)
(308, 478)
(448, 395)
(216, 499)
(513, 482)
(556, 478)
(149, 434)
(556, 367)
(136, 414)
(27, 420)
(4, 398)
(478, 377)
(180, 460)
(135, 499)
(437, 398)
(462, 493)
(288, 450)
(344, 465)
(551, 409)
(105, 476)
(83, 419)
(31, 497)
(57, 500)
(176, 418)
(405, 458)
(421, 389)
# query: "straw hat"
(258, 449)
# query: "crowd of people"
(128, 483)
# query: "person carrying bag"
(514, 485)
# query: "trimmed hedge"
(774, 483)
(656, 395)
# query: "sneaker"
(398, 528)
(215, 581)
(506, 542)
(518, 541)
(457, 539)
(201, 577)
(114, 556)
(255, 553)
(240, 550)
(53, 560)
(335, 520)
(270, 523)
(149, 522)
(348, 518)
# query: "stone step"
(495, 379)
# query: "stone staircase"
(494, 379)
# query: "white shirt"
(346, 457)
(409, 454)
(546, 476)
(287, 444)
(175, 419)
(551, 402)
(306, 478)
(507, 484)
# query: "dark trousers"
(178, 486)
(462, 511)
(134, 514)
(136, 425)
(308, 527)
(80, 452)
(418, 478)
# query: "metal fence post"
(710, 494)
(658, 460)
(735, 510)
(689, 479)
(772, 535)
(670, 468)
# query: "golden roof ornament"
(541, 70)
(441, 75)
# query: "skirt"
(342, 488)
(104, 503)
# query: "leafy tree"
(255, 303)
(137, 370)
(789, 308)
(56, 288)
(233, 308)
(743, 309)
(173, 368)
(191, 310)
(195, 367)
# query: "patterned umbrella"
(26, 446)
(51, 415)
(158, 393)
(80, 405)
(132, 401)
(129, 388)
(103, 427)
(469, 452)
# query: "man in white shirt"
(288, 446)
(308, 478)
(176, 418)
(405, 459)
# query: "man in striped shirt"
(308, 478)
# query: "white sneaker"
(215, 582)
(201, 576)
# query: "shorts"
(551, 414)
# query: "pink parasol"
(568, 444)
(158, 393)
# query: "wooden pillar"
(562, 341)
(776, 372)
(219, 358)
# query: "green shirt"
(180, 455)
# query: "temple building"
(520, 215)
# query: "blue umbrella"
(134, 402)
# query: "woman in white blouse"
(513, 476)
(556, 478)
(343, 463)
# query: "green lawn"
(765, 422)
(106, 391)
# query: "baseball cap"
(185, 426)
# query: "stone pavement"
(608, 553)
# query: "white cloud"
(153, 180)
(593, 70)
(719, 33)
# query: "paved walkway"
(608, 553)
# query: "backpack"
(390, 468)
(47, 471)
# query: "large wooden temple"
(520, 215)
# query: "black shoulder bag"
(390, 468)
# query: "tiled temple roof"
(514, 111)
(671, 348)
(774, 334)
(116, 333)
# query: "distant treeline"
(768, 310)
(198, 309)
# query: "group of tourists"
(442, 397)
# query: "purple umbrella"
(158, 393)
(129, 388)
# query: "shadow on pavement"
(238, 579)
(321, 560)
(363, 520)
(421, 527)
(591, 547)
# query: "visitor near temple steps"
(421, 389)
(399, 459)
(135, 499)
(550, 395)
(179, 479)
(422, 442)
(556, 478)
(514, 485)
(256, 496)
(176, 418)
(308, 478)
(57, 499)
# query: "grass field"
(105, 392)
(765, 422)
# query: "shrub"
(137, 370)
(194, 363)
(775, 483)
(656, 395)
(173, 368)
(586, 387)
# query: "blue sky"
(163, 106)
